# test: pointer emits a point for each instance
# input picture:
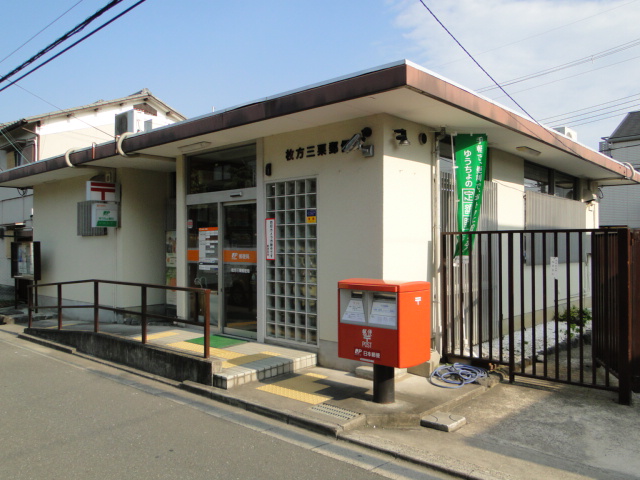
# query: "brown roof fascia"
(465, 100)
(323, 95)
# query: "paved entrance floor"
(518, 431)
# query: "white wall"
(508, 172)
(133, 253)
(350, 207)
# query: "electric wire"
(42, 30)
(574, 63)
(73, 44)
(576, 75)
(74, 31)
(599, 14)
(71, 114)
(568, 147)
(590, 109)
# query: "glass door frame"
(224, 199)
(223, 294)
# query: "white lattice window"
(292, 276)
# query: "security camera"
(352, 144)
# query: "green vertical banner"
(470, 167)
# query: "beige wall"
(350, 207)
(374, 214)
(508, 172)
(133, 253)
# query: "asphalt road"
(62, 416)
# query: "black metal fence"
(550, 304)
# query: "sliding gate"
(549, 304)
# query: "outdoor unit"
(567, 132)
(133, 121)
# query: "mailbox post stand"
(384, 388)
(385, 324)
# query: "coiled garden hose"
(456, 375)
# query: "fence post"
(444, 295)
(207, 323)
(59, 307)
(624, 300)
(30, 301)
(144, 314)
(512, 357)
(96, 309)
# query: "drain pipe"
(435, 220)
(121, 138)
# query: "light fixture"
(401, 136)
(528, 150)
(357, 142)
(192, 147)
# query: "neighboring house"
(32, 139)
(270, 204)
(620, 206)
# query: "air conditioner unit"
(131, 121)
(568, 132)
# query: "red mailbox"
(384, 323)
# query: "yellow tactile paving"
(155, 336)
(66, 324)
(301, 388)
(233, 359)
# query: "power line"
(77, 29)
(575, 75)
(592, 106)
(58, 108)
(42, 30)
(584, 116)
(574, 63)
(487, 73)
(473, 59)
(74, 44)
(599, 14)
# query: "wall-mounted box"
(385, 323)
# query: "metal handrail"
(205, 293)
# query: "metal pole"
(625, 330)
(144, 315)
(383, 384)
(59, 307)
(30, 300)
(96, 310)
(207, 324)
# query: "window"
(222, 170)
(549, 181)
(292, 276)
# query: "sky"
(197, 55)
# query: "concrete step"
(260, 362)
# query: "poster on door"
(208, 246)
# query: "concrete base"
(366, 372)
(148, 358)
(427, 368)
(447, 422)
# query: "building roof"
(143, 95)
(628, 128)
(401, 89)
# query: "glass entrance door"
(222, 256)
(202, 255)
(239, 270)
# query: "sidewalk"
(512, 431)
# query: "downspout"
(435, 220)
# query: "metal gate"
(549, 304)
